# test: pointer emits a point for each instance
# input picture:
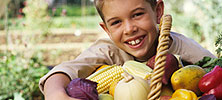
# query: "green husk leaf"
(209, 63)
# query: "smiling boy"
(133, 29)
(132, 26)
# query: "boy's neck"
(151, 53)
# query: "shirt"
(104, 51)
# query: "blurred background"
(36, 35)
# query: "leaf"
(212, 62)
(203, 61)
(218, 44)
(209, 63)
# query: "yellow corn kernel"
(104, 77)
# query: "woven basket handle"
(160, 60)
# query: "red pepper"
(211, 83)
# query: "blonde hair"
(99, 5)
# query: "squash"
(103, 96)
(187, 78)
(131, 88)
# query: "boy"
(132, 28)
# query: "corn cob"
(106, 76)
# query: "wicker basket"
(160, 60)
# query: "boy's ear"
(103, 25)
(159, 10)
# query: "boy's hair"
(99, 5)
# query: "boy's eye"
(138, 14)
(115, 22)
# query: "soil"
(56, 48)
(54, 38)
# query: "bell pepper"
(211, 83)
(183, 94)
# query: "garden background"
(36, 35)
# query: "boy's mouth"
(135, 41)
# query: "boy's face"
(132, 25)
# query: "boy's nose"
(130, 28)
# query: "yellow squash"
(103, 96)
(187, 78)
(183, 94)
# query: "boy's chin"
(139, 56)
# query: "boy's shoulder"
(175, 34)
(103, 42)
(180, 37)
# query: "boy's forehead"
(108, 1)
(118, 3)
(116, 6)
(118, 0)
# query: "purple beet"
(170, 67)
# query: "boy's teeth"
(134, 42)
(137, 41)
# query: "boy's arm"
(101, 52)
(54, 88)
(189, 50)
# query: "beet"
(170, 67)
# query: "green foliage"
(198, 19)
(184, 22)
(13, 23)
(91, 22)
(219, 44)
(37, 16)
(72, 10)
(211, 21)
(13, 8)
(175, 6)
(20, 76)
(187, 25)
(209, 63)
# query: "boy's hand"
(59, 96)
(54, 88)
